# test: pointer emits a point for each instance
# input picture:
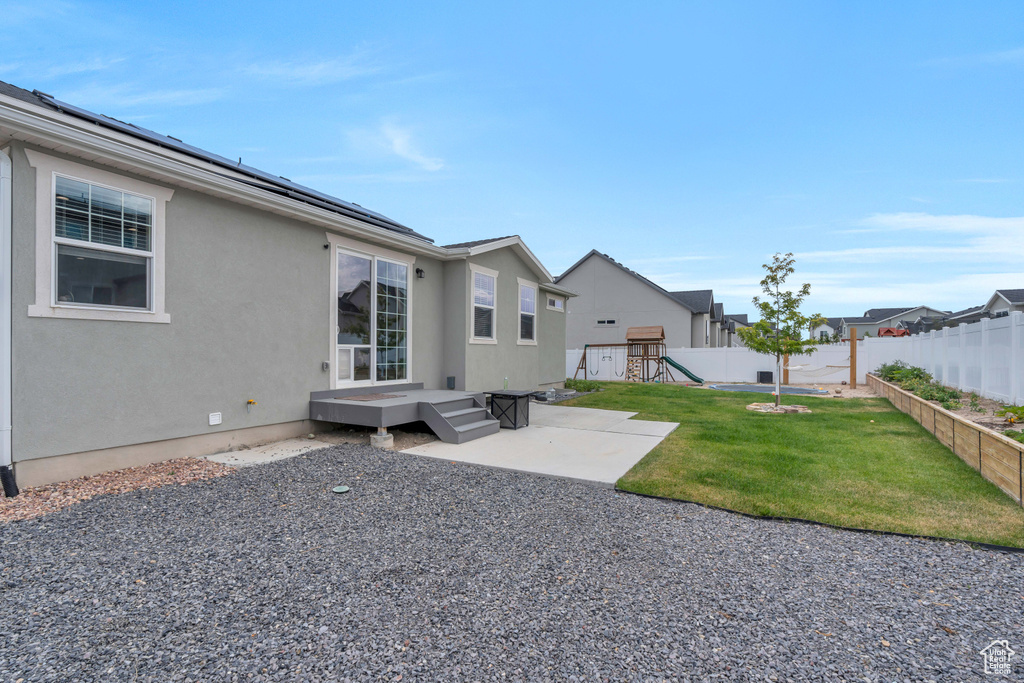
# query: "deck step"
(454, 404)
(465, 416)
(475, 430)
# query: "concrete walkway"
(583, 444)
(258, 455)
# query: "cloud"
(329, 179)
(949, 293)
(121, 96)
(666, 260)
(316, 72)
(399, 140)
(980, 240)
(1013, 57)
(87, 66)
(962, 223)
(16, 13)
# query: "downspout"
(10, 486)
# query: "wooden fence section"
(996, 457)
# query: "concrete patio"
(582, 444)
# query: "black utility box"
(765, 377)
(511, 407)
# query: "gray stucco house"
(164, 301)
(1003, 302)
(873, 320)
(610, 298)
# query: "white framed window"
(102, 244)
(527, 312)
(556, 303)
(372, 316)
(484, 302)
(99, 244)
(606, 322)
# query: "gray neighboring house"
(731, 328)
(611, 298)
(1002, 302)
(156, 291)
(877, 318)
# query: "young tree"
(779, 332)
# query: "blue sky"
(881, 142)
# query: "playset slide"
(683, 370)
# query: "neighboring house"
(157, 289)
(731, 329)
(702, 303)
(1002, 302)
(611, 298)
(827, 330)
(877, 318)
(966, 316)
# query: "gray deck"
(455, 416)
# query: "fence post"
(982, 390)
(945, 357)
(963, 357)
(1016, 346)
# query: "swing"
(617, 356)
(591, 361)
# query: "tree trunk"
(778, 380)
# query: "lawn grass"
(833, 465)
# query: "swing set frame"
(645, 353)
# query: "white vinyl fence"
(828, 364)
(986, 357)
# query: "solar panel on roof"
(293, 190)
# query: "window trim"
(550, 298)
(529, 284)
(473, 339)
(46, 304)
(372, 252)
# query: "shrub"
(920, 383)
(899, 372)
(582, 385)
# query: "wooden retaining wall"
(996, 457)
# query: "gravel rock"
(42, 500)
(430, 570)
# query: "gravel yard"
(434, 571)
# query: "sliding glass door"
(373, 319)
